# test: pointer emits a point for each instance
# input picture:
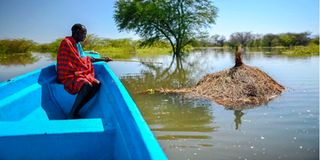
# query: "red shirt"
(73, 71)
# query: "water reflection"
(175, 113)
(174, 117)
(13, 65)
(237, 120)
(18, 59)
(171, 117)
(177, 74)
(287, 128)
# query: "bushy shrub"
(16, 46)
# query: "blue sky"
(46, 20)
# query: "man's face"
(82, 34)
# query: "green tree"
(315, 40)
(177, 21)
(287, 39)
(256, 41)
(270, 40)
(92, 41)
(302, 39)
(50, 47)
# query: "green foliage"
(315, 40)
(309, 50)
(152, 51)
(256, 42)
(158, 47)
(290, 44)
(91, 42)
(286, 39)
(111, 46)
(16, 46)
(115, 48)
(124, 48)
(177, 21)
(270, 40)
(49, 47)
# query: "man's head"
(79, 32)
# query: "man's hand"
(107, 59)
(93, 52)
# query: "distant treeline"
(92, 42)
(16, 46)
(24, 46)
(248, 39)
(117, 46)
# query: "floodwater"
(285, 128)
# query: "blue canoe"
(33, 108)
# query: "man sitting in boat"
(75, 71)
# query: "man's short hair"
(76, 27)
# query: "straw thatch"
(237, 87)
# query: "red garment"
(73, 71)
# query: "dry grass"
(237, 87)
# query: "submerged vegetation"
(309, 50)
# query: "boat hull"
(33, 108)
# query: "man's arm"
(105, 59)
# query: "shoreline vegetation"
(288, 44)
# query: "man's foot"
(74, 116)
(77, 116)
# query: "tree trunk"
(178, 51)
(176, 48)
(238, 60)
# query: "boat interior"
(33, 110)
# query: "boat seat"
(38, 114)
(56, 139)
(18, 128)
(23, 104)
(60, 97)
(61, 100)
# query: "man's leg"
(93, 92)
(85, 94)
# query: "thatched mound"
(242, 86)
(237, 87)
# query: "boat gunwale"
(154, 149)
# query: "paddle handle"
(130, 60)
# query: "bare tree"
(217, 40)
(241, 38)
